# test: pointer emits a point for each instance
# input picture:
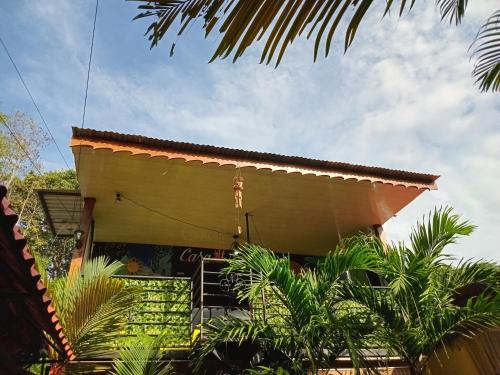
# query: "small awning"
(62, 210)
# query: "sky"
(401, 97)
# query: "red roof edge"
(41, 307)
(160, 144)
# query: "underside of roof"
(28, 318)
(182, 194)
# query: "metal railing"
(164, 308)
(182, 306)
(212, 294)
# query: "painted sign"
(159, 260)
(165, 260)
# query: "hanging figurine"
(238, 191)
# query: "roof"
(181, 194)
(62, 210)
(258, 159)
(27, 310)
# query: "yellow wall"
(457, 361)
(477, 356)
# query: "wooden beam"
(85, 226)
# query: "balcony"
(180, 307)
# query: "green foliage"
(143, 357)
(163, 309)
(302, 322)
(21, 141)
(243, 23)
(278, 24)
(305, 320)
(24, 199)
(419, 312)
(91, 305)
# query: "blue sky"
(402, 97)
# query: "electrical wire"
(86, 92)
(90, 64)
(33, 101)
(174, 218)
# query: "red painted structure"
(28, 322)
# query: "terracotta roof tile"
(24, 278)
(423, 180)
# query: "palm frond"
(230, 328)
(307, 306)
(486, 52)
(453, 10)
(355, 254)
(468, 273)
(419, 311)
(92, 307)
(143, 357)
(480, 313)
(255, 261)
(350, 255)
(276, 23)
(441, 228)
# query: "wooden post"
(85, 224)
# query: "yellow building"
(171, 211)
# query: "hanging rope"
(238, 197)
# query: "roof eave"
(135, 144)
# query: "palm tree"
(92, 307)
(429, 301)
(309, 325)
(279, 23)
(143, 357)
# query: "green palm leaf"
(310, 325)
(454, 10)
(486, 52)
(276, 23)
(92, 307)
(418, 313)
(440, 229)
(144, 357)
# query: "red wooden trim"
(85, 226)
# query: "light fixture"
(77, 235)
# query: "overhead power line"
(33, 101)
(90, 64)
(87, 90)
